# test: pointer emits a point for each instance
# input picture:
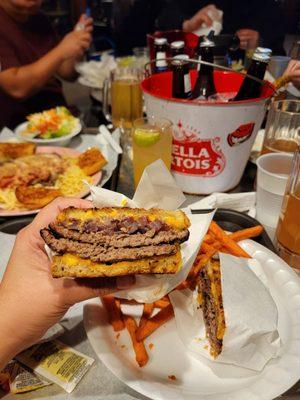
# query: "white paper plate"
(205, 380)
(61, 141)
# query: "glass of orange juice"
(151, 140)
(288, 228)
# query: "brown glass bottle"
(161, 49)
(251, 89)
(181, 82)
(205, 86)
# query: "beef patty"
(110, 241)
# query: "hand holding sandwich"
(31, 300)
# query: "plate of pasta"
(31, 177)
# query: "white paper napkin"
(217, 25)
(251, 337)
(234, 201)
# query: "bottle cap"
(205, 42)
(263, 50)
(160, 41)
(261, 57)
(177, 45)
(182, 57)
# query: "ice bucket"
(212, 140)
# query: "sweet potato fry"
(147, 311)
(114, 312)
(208, 239)
(227, 241)
(246, 233)
(155, 322)
(141, 355)
(162, 303)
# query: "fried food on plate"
(36, 197)
(11, 151)
(116, 241)
(91, 161)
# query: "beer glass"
(151, 140)
(288, 229)
(126, 97)
(283, 127)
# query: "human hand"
(248, 38)
(84, 23)
(292, 72)
(74, 44)
(198, 19)
(31, 300)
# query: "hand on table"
(31, 300)
(293, 73)
(248, 38)
(198, 19)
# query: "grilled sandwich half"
(116, 241)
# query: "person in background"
(253, 21)
(31, 300)
(293, 73)
(32, 59)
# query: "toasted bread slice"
(70, 265)
(11, 151)
(175, 219)
(91, 161)
(35, 197)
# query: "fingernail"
(125, 282)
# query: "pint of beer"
(288, 229)
(283, 127)
(126, 97)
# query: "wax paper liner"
(251, 337)
(157, 188)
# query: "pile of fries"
(214, 241)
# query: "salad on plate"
(50, 124)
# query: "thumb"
(76, 290)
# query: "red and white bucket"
(212, 140)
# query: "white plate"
(61, 141)
(205, 380)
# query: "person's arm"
(21, 82)
(66, 70)
(31, 300)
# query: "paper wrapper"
(251, 337)
(157, 188)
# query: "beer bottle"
(161, 51)
(181, 82)
(205, 86)
(250, 88)
(177, 48)
(263, 50)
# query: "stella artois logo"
(195, 156)
(241, 134)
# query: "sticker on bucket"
(241, 134)
(200, 157)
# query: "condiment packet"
(251, 337)
(157, 188)
(21, 380)
(57, 363)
